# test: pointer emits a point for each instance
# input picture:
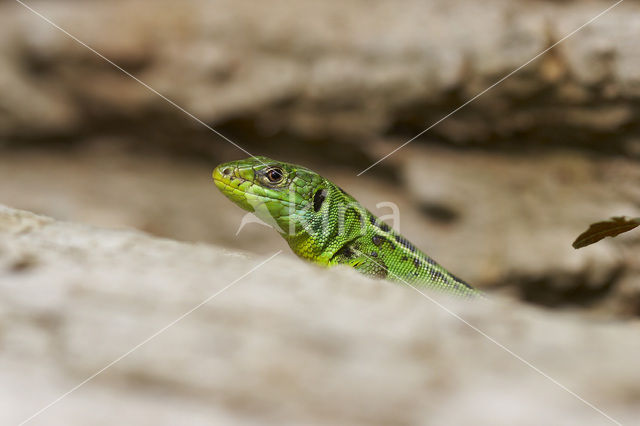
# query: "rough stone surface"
(524, 212)
(323, 71)
(287, 343)
(502, 222)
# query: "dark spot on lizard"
(437, 276)
(377, 240)
(381, 225)
(392, 246)
(345, 251)
(374, 254)
(404, 258)
(416, 263)
(318, 199)
(404, 242)
(458, 280)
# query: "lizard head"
(281, 194)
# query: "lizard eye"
(275, 175)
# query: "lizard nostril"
(226, 171)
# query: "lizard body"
(327, 226)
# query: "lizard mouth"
(232, 186)
(223, 178)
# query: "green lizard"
(327, 226)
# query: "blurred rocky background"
(496, 192)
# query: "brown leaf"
(608, 228)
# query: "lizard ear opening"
(318, 199)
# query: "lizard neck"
(325, 229)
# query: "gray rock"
(288, 343)
(322, 71)
(513, 219)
